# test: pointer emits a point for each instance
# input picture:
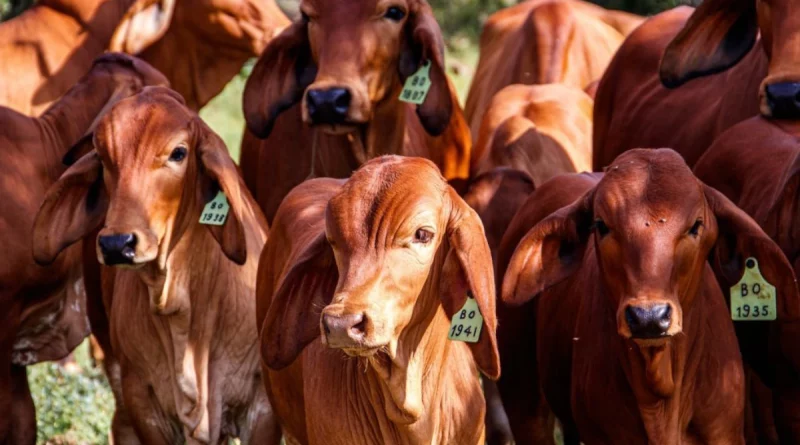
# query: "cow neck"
(412, 380)
(73, 116)
(97, 18)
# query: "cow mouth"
(363, 351)
(341, 129)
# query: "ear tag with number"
(753, 298)
(467, 322)
(216, 211)
(416, 88)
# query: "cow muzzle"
(351, 332)
(649, 322)
(782, 100)
(329, 106)
(117, 249)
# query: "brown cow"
(756, 164)
(631, 322)
(544, 41)
(357, 286)
(180, 305)
(736, 76)
(46, 49)
(44, 313)
(341, 69)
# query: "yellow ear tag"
(416, 88)
(753, 298)
(467, 323)
(216, 211)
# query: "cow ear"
(145, 22)
(550, 252)
(716, 37)
(425, 44)
(73, 207)
(739, 237)
(279, 79)
(218, 172)
(297, 275)
(467, 270)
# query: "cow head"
(652, 224)
(721, 32)
(398, 244)
(155, 166)
(343, 59)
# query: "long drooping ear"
(73, 207)
(716, 37)
(739, 238)
(217, 171)
(145, 22)
(550, 252)
(468, 269)
(297, 274)
(424, 43)
(279, 79)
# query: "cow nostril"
(663, 314)
(325, 325)
(342, 100)
(360, 325)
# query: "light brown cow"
(356, 289)
(341, 69)
(44, 313)
(180, 306)
(544, 41)
(46, 49)
(632, 327)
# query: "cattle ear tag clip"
(753, 298)
(216, 211)
(417, 85)
(467, 322)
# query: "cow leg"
(143, 413)
(23, 413)
(498, 431)
(266, 430)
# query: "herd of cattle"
(371, 258)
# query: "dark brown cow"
(199, 45)
(544, 41)
(44, 308)
(756, 164)
(632, 327)
(719, 72)
(340, 69)
(356, 289)
(180, 303)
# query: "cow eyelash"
(600, 227)
(178, 154)
(395, 13)
(423, 236)
(695, 230)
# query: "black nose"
(118, 249)
(328, 106)
(783, 100)
(649, 322)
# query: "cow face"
(721, 32)
(343, 60)
(404, 245)
(652, 225)
(154, 167)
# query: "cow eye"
(395, 13)
(600, 227)
(695, 230)
(178, 154)
(423, 236)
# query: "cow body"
(404, 381)
(544, 41)
(182, 361)
(620, 381)
(330, 85)
(46, 306)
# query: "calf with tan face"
(180, 297)
(355, 293)
(647, 326)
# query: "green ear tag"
(416, 88)
(753, 298)
(467, 322)
(216, 211)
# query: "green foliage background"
(76, 408)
